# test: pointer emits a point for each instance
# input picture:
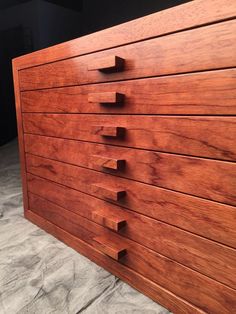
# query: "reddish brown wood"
(108, 131)
(200, 254)
(113, 98)
(208, 219)
(199, 93)
(189, 15)
(20, 138)
(172, 256)
(107, 64)
(109, 220)
(185, 135)
(211, 179)
(114, 194)
(104, 245)
(155, 291)
(202, 291)
(107, 162)
(211, 47)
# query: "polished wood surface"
(208, 219)
(187, 16)
(191, 175)
(20, 137)
(202, 291)
(105, 246)
(104, 98)
(107, 162)
(163, 58)
(108, 64)
(109, 220)
(186, 135)
(154, 290)
(197, 93)
(107, 192)
(170, 241)
(127, 146)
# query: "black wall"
(26, 26)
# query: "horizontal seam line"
(146, 184)
(133, 211)
(206, 24)
(129, 79)
(137, 243)
(130, 269)
(138, 148)
(127, 178)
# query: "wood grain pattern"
(103, 191)
(208, 219)
(200, 254)
(200, 136)
(113, 98)
(107, 64)
(106, 162)
(211, 47)
(204, 292)
(20, 138)
(211, 179)
(211, 92)
(108, 219)
(189, 15)
(107, 247)
(152, 289)
(108, 131)
(169, 235)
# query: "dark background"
(26, 26)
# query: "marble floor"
(39, 274)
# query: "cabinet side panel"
(20, 135)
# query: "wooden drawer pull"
(111, 222)
(107, 64)
(106, 248)
(110, 131)
(106, 98)
(110, 193)
(110, 163)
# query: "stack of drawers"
(128, 153)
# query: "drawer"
(211, 179)
(200, 216)
(205, 48)
(180, 245)
(202, 291)
(198, 136)
(198, 93)
(209, 219)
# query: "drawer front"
(133, 278)
(209, 219)
(202, 291)
(211, 179)
(200, 136)
(200, 93)
(182, 246)
(209, 47)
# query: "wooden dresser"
(127, 143)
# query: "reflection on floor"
(39, 274)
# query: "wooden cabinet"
(127, 142)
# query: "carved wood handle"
(110, 193)
(111, 222)
(110, 131)
(107, 64)
(107, 162)
(105, 247)
(106, 98)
